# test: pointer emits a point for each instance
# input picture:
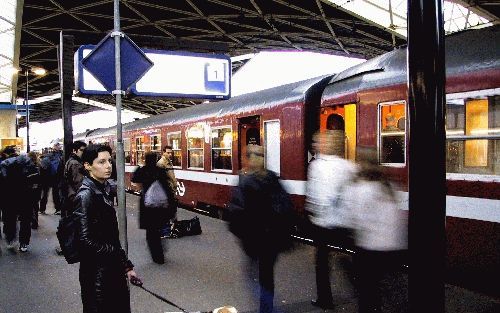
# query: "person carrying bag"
(156, 203)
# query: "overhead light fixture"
(39, 71)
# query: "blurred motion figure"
(327, 177)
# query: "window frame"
(125, 150)
(380, 105)
(180, 145)
(137, 150)
(189, 149)
(212, 148)
(151, 142)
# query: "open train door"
(248, 133)
(341, 120)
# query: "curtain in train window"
(272, 142)
(155, 143)
(476, 123)
(174, 140)
(392, 144)
(139, 151)
(195, 136)
(222, 142)
(472, 132)
(126, 148)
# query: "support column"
(427, 167)
(67, 81)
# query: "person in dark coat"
(260, 216)
(52, 172)
(153, 219)
(104, 267)
(73, 175)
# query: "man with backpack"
(51, 171)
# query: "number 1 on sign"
(215, 71)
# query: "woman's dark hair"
(77, 145)
(90, 153)
(150, 159)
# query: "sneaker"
(23, 247)
(57, 213)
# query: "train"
(368, 103)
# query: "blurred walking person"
(19, 174)
(327, 176)
(261, 217)
(152, 219)
(104, 267)
(52, 168)
(7, 189)
(380, 231)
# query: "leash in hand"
(137, 282)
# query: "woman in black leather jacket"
(104, 266)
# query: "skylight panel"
(392, 14)
(7, 38)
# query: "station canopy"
(30, 31)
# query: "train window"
(139, 151)
(126, 148)
(392, 139)
(155, 143)
(222, 141)
(195, 136)
(174, 140)
(473, 135)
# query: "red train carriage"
(209, 141)
(367, 104)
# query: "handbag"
(156, 197)
(186, 228)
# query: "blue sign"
(174, 74)
(101, 63)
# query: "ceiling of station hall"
(230, 27)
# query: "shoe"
(42, 213)
(11, 245)
(57, 213)
(23, 247)
(59, 251)
(323, 305)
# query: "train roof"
(268, 98)
(467, 51)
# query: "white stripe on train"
(463, 207)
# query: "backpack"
(54, 165)
(67, 235)
(156, 197)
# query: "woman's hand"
(133, 278)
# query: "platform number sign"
(215, 76)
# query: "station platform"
(201, 273)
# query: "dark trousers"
(154, 244)
(263, 268)
(371, 267)
(56, 196)
(10, 223)
(322, 238)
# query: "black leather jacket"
(103, 262)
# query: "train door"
(248, 133)
(341, 120)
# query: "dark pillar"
(427, 168)
(67, 81)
